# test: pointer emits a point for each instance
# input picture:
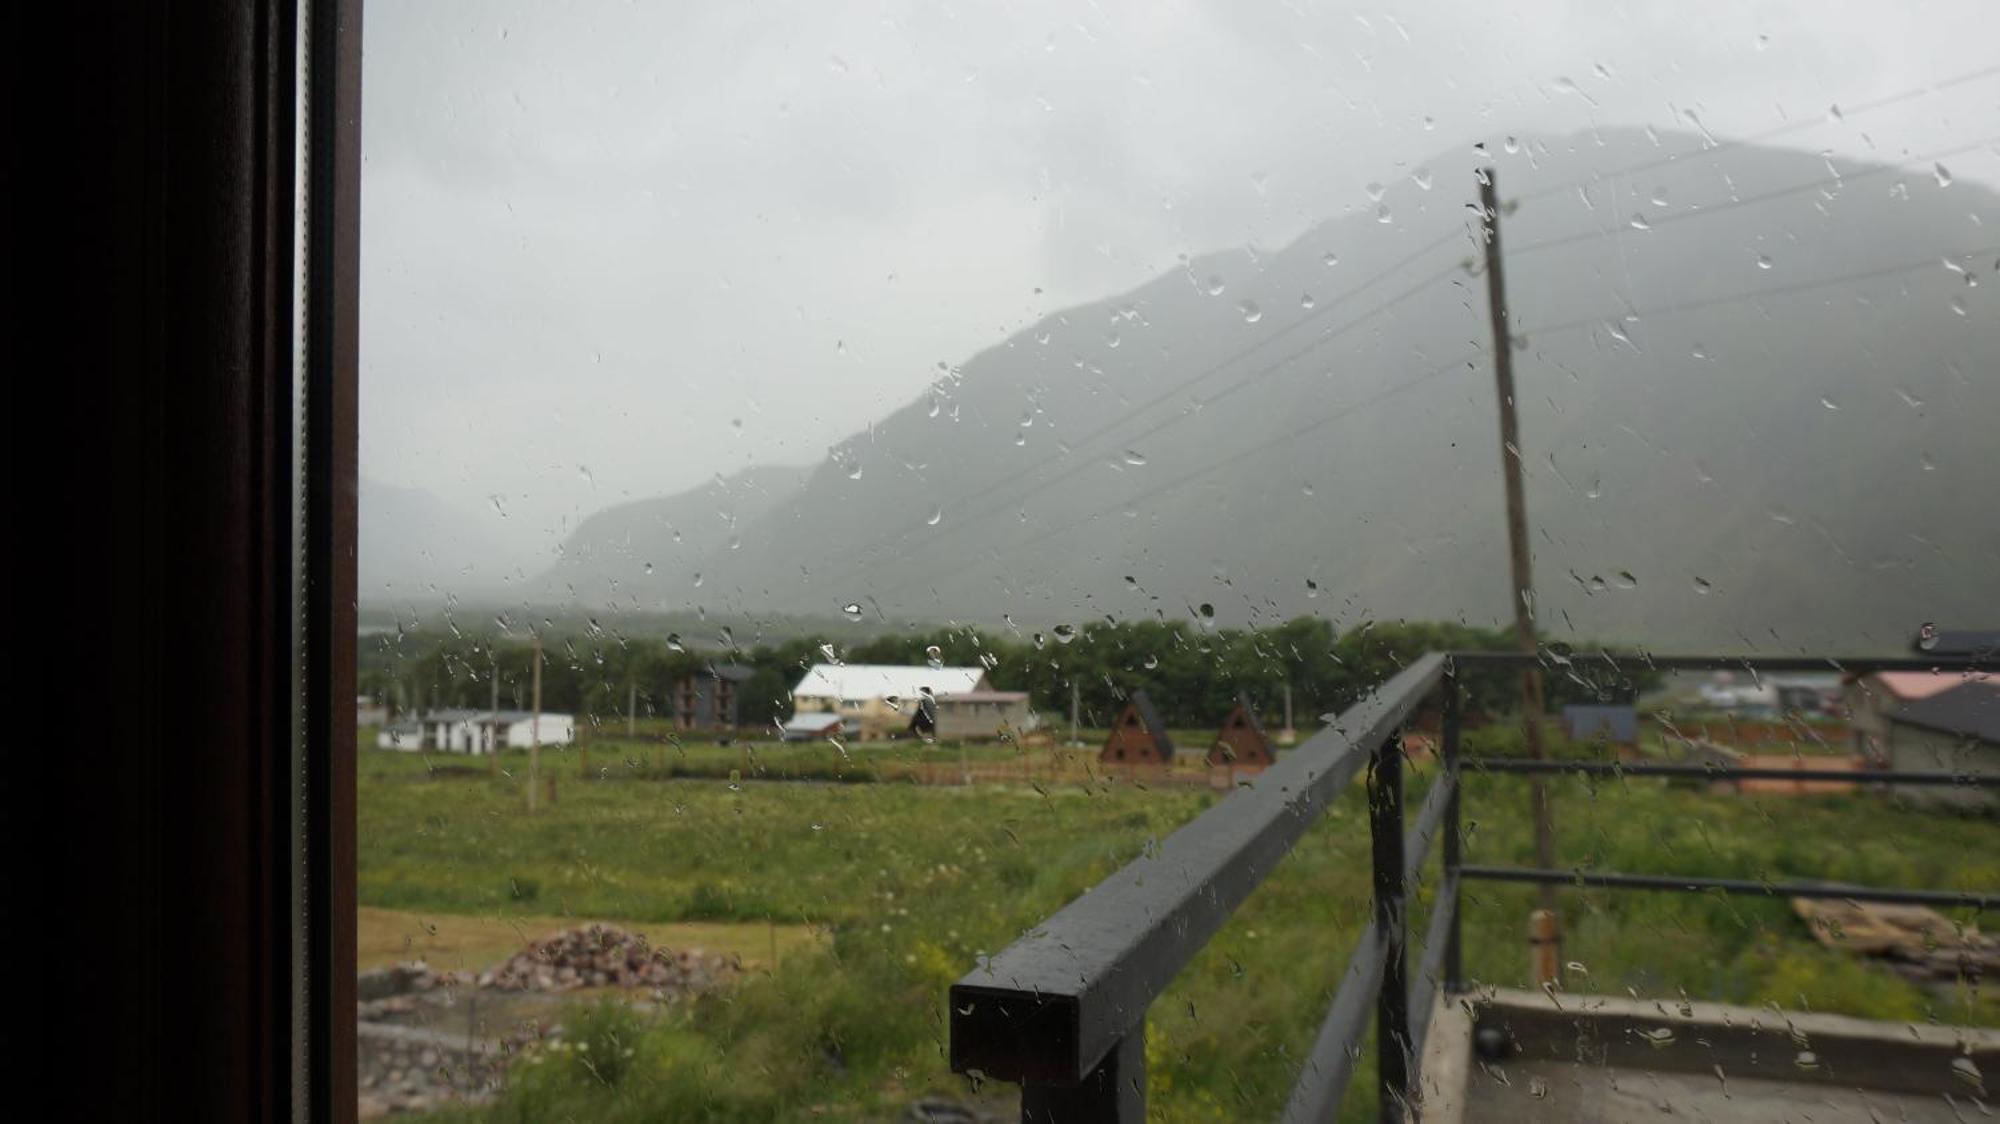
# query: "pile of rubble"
(429, 1037)
(607, 956)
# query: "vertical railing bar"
(1392, 998)
(1114, 1092)
(1454, 970)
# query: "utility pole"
(493, 714)
(1075, 710)
(632, 710)
(535, 729)
(1288, 735)
(1523, 586)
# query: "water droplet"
(1659, 1037)
(1927, 636)
(1111, 339)
(1834, 114)
(1828, 403)
(1806, 1060)
(1306, 301)
(1215, 286)
(1382, 214)
(674, 642)
(1639, 223)
(1133, 457)
(1763, 261)
(1329, 259)
(1659, 197)
(1150, 662)
(1942, 173)
(1422, 178)
(1312, 589)
(1965, 1070)
(1375, 191)
(1701, 584)
(499, 504)
(649, 567)
(697, 581)
(852, 609)
(1701, 351)
(934, 656)
(1206, 611)
(1958, 305)
(1251, 313)
(1625, 580)
(1064, 633)
(936, 516)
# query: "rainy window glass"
(1181, 561)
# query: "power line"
(1197, 377)
(1750, 200)
(1435, 372)
(1246, 454)
(1756, 294)
(1757, 138)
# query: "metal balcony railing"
(1062, 1011)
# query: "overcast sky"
(611, 250)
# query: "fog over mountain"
(1759, 394)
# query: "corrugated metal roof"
(1969, 710)
(881, 681)
(983, 696)
(813, 721)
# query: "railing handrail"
(1062, 1010)
(1055, 1003)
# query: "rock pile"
(430, 1037)
(607, 956)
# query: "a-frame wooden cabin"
(1241, 744)
(1138, 737)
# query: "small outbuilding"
(814, 725)
(976, 715)
(1241, 744)
(1138, 737)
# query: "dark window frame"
(187, 270)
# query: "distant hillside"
(1722, 449)
(415, 546)
(636, 553)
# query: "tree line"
(1193, 674)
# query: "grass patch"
(914, 884)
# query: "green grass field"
(912, 884)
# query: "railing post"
(1115, 1091)
(1392, 1002)
(1454, 969)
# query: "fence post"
(1115, 1091)
(1393, 1063)
(1454, 968)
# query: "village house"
(979, 715)
(474, 731)
(883, 700)
(711, 698)
(1955, 730)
